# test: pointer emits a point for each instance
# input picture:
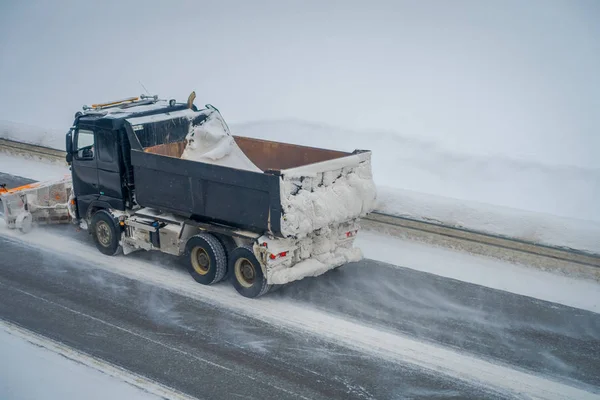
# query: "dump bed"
(292, 190)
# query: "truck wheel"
(106, 233)
(207, 262)
(246, 274)
(229, 245)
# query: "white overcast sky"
(518, 78)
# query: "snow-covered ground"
(34, 367)
(53, 138)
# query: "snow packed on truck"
(151, 174)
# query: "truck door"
(109, 173)
(84, 169)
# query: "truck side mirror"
(69, 147)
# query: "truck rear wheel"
(246, 273)
(106, 232)
(207, 262)
(229, 245)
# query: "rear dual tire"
(246, 273)
(211, 260)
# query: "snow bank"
(509, 222)
(18, 132)
(210, 142)
(27, 359)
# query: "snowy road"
(210, 349)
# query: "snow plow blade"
(38, 202)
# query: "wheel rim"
(245, 273)
(200, 260)
(103, 233)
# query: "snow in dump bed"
(210, 142)
(327, 193)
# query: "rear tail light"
(280, 255)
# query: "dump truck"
(152, 174)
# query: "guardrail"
(433, 232)
(32, 151)
(482, 238)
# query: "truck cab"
(98, 151)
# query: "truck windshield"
(160, 129)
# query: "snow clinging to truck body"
(210, 142)
(328, 193)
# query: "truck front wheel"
(106, 233)
(207, 262)
(246, 274)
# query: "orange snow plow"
(39, 202)
(4, 190)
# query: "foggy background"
(513, 78)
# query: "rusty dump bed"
(265, 154)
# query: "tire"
(206, 260)
(106, 232)
(229, 245)
(246, 273)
